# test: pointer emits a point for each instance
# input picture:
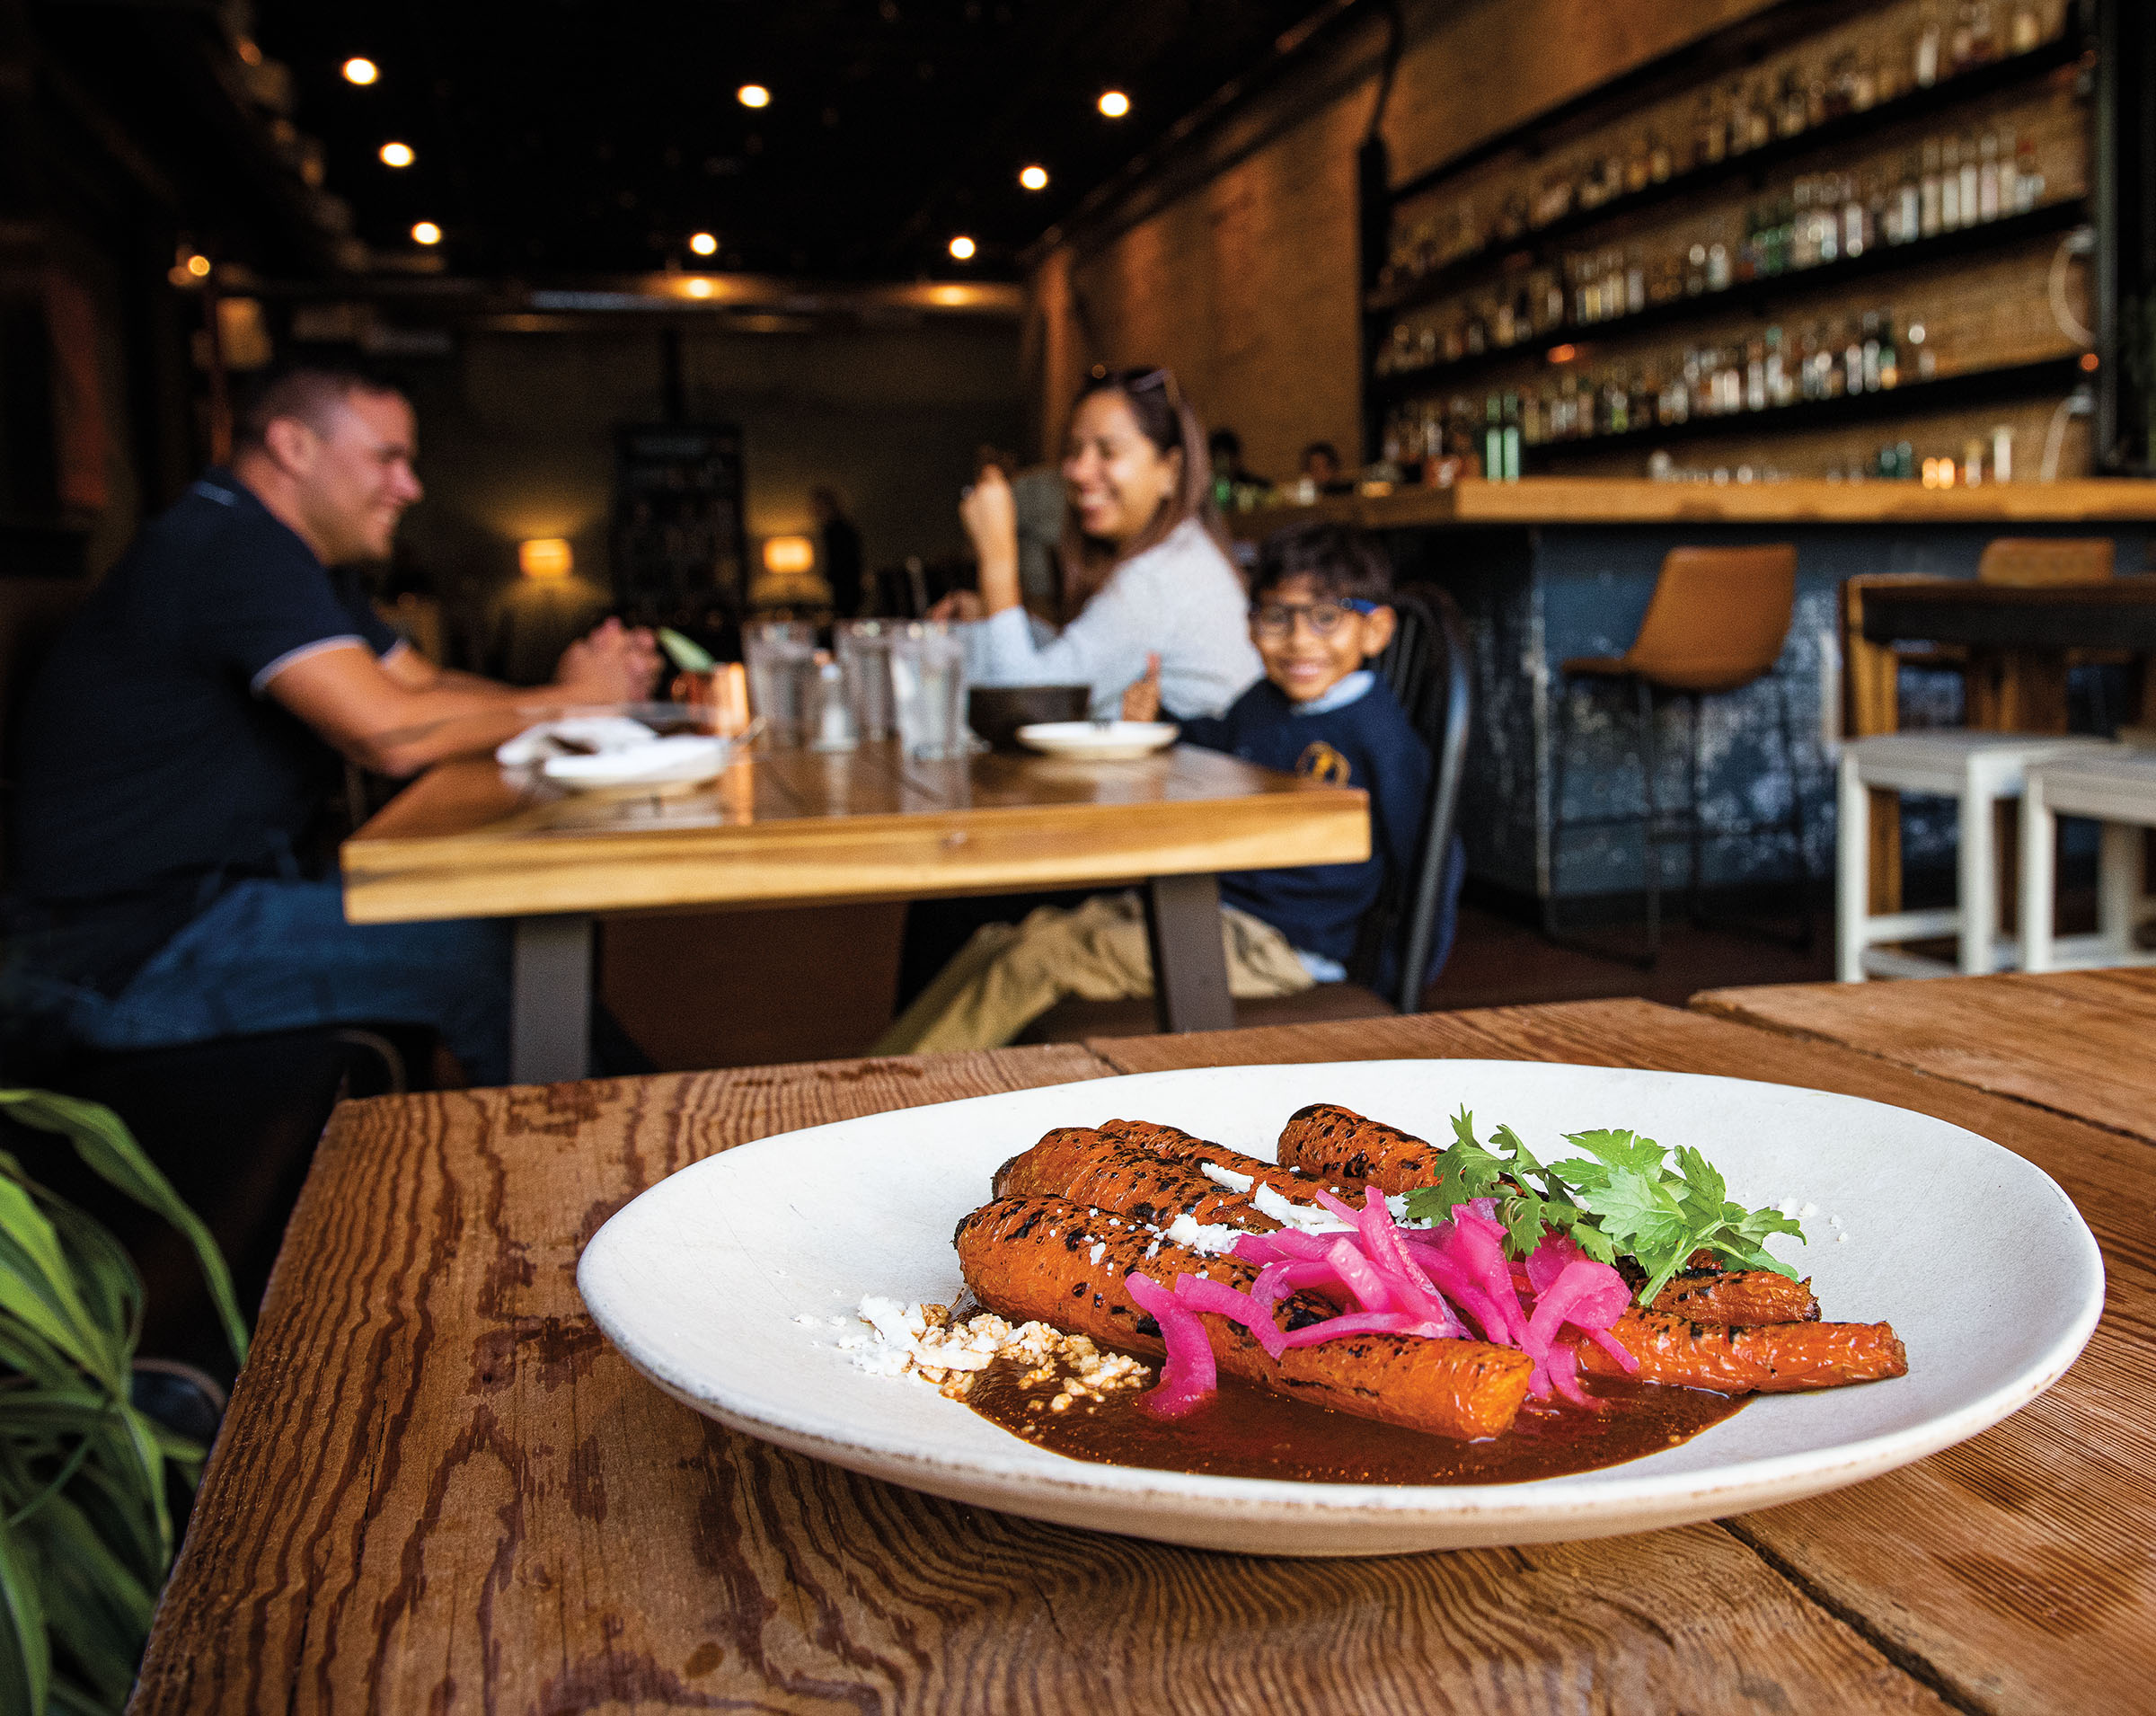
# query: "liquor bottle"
(1949, 187)
(1509, 441)
(1720, 274)
(2029, 184)
(1890, 361)
(1781, 389)
(1909, 219)
(1863, 82)
(1852, 364)
(1635, 282)
(1804, 234)
(1930, 192)
(1791, 110)
(1826, 222)
(2028, 32)
(1696, 271)
(1755, 373)
(1807, 366)
(1709, 132)
(1870, 351)
(1984, 32)
(1740, 119)
(1659, 165)
(1961, 42)
(1928, 46)
(1762, 115)
(1493, 438)
(1636, 171)
(1861, 218)
(1927, 360)
(1969, 181)
(1987, 177)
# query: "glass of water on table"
(781, 655)
(928, 690)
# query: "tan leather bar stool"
(1715, 623)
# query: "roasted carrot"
(1047, 1258)
(1329, 1143)
(1772, 1359)
(1108, 1174)
(1736, 1298)
(1168, 1141)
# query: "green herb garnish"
(1623, 1199)
(686, 654)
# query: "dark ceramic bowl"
(996, 713)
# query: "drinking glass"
(864, 652)
(780, 656)
(928, 690)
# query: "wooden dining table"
(438, 1488)
(789, 825)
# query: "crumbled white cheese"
(1098, 1252)
(1213, 1239)
(1307, 1218)
(1228, 1177)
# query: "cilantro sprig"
(1622, 1199)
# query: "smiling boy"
(1318, 611)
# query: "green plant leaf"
(686, 653)
(108, 1151)
(25, 1656)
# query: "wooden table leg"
(1190, 962)
(550, 999)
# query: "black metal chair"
(1428, 668)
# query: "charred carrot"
(1736, 1298)
(1169, 1141)
(1106, 1174)
(1046, 1258)
(1329, 1143)
(1772, 1359)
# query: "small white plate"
(683, 758)
(699, 1283)
(1098, 742)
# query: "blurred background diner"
(1737, 399)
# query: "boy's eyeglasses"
(1278, 619)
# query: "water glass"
(928, 690)
(781, 657)
(864, 652)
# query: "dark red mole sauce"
(1247, 1431)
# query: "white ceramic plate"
(1098, 742)
(664, 762)
(699, 1282)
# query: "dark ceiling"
(576, 136)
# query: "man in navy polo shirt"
(169, 882)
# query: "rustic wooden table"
(791, 826)
(438, 1488)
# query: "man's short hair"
(1340, 563)
(310, 392)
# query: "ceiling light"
(397, 154)
(1033, 178)
(753, 95)
(962, 248)
(425, 231)
(704, 244)
(789, 554)
(198, 265)
(1114, 103)
(698, 287)
(546, 557)
(360, 71)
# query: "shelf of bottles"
(1831, 233)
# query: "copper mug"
(721, 696)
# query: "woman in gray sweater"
(1145, 568)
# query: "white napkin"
(599, 733)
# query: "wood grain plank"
(2080, 1042)
(438, 1489)
(2013, 1571)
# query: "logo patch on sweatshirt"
(1320, 762)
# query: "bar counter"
(1550, 568)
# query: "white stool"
(2118, 789)
(1976, 768)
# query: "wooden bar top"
(1618, 500)
(437, 1487)
(788, 826)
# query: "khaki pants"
(1008, 974)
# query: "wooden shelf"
(1621, 501)
(1532, 245)
(1757, 292)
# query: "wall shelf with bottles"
(1531, 244)
(1758, 292)
(2045, 377)
(1684, 252)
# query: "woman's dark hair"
(1166, 419)
(1340, 563)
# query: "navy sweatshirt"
(1365, 742)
